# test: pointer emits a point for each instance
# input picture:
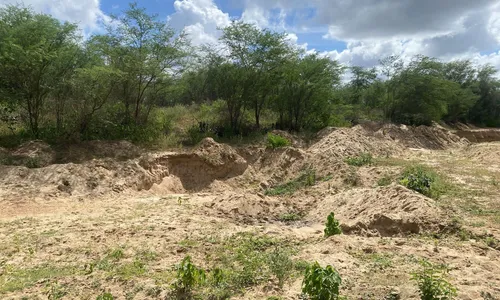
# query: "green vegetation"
(187, 278)
(432, 283)
(276, 141)
(385, 180)
(321, 283)
(360, 160)
(105, 296)
(332, 226)
(290, 217)
(423, 180)
(57, 86)
(305, 179)
(14, 279)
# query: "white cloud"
(86, 13)
(200, 19)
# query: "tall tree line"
(112, 85)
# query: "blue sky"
(352, 32)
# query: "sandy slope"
(58, 220)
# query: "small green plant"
(187, 278)
(360, 160)
(276, 141)
(105, 296)
(432, 283)
(384, 181)
(321, 283)
(281, 265)
(290, 217)
(332, 226)
(116, 254)
(305, 179)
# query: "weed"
(105, 296)
(360, 160)
(274, 298)
(381, 261)
(131, 270)
(219, 287)
(352, 178)
(54, 291)
(281, 265)
(432, 283)
(187, 278)
(33, 163)
(305, 179)
(290, 217)
(492, 242)
(321, 283)
(276, 141)
(385, 180)
(116, 254)
(332, 226)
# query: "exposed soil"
(63, 211)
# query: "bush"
(360, 160)
(276, 141)
(332, 226)
(321, 283)
(281, 265)
(105, 296)
(421, 180)
(187, 278)
(432, 283)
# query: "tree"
(36, 51)
(146, 52)
(259, 54)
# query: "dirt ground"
(110, 218)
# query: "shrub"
(332, 226)
(360, 160)
(276, 141)
(432, 283)
(281, 265)
(105, 296)
(187, 278)
(421, 180)
(321, 283)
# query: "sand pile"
(427, 137)
(487, 153)
(385, 211)
(248, 208)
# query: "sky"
(354, 32)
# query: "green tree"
(36, 51)
(147, 52)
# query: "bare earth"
(59, 222)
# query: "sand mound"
(33, 154)
(385, 211)
(428, 137)
(248, 208)
(195, 171)
(343, 142)
(487, 153)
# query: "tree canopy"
(54, 84)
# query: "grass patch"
(290, 217)
(14, 279)
(360, 160)
(305, 179)
(247, 259)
